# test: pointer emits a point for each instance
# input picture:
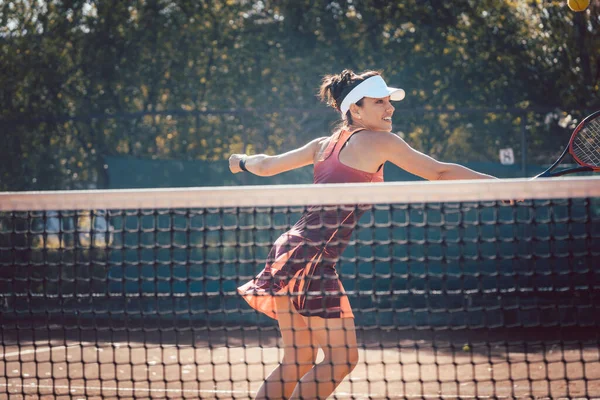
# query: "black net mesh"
(450, 299)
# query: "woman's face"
(375, 114)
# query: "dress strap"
(347, 135)
(341, 136)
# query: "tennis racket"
(584, 147)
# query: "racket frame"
(569, 149)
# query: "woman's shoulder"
(321, 143)
(379, 141)
(378, 136)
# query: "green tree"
(86, 79)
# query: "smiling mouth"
(388, 119)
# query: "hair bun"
(347, 77)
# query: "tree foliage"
(198, 79)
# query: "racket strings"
(586, 145)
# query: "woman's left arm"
(392, 148)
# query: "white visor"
(374, 87)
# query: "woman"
(299, 285)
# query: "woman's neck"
(355, 126)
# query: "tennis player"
(299, 285)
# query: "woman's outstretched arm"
(392, 148)
(264, 165)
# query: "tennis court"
(456, 295)
(233, 366)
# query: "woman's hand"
(234, 162)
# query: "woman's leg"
(337, 338)
(299, 353)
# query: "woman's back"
(330, 169)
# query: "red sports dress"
(301, 263)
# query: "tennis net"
(457, 292)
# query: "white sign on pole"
(507, 156)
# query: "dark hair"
(334, 88)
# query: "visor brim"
(396, 94)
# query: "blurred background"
(157, 93)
